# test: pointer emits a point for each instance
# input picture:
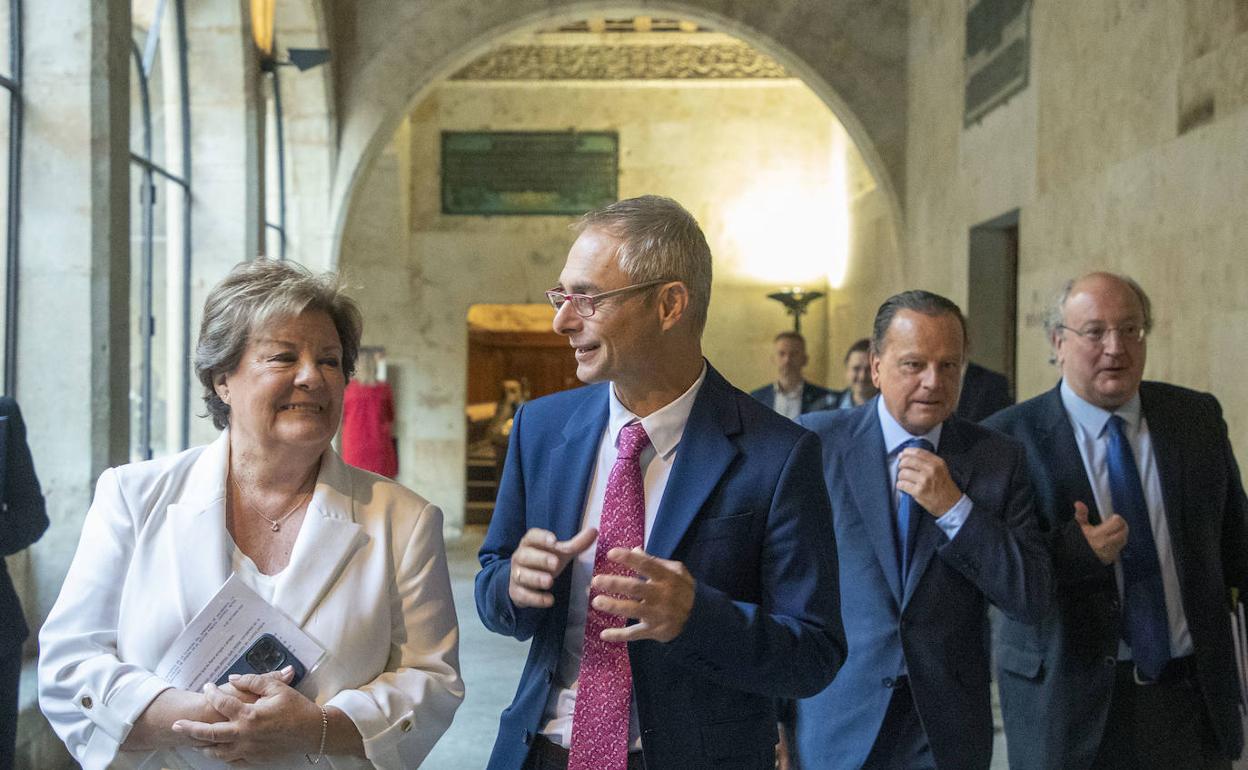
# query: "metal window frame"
(143, 61)
(13, 82)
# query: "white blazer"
(367, 579)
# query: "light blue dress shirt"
(894, 436)
(1088, 422)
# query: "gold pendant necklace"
(275, 524)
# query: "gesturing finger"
(632, 633)
(642, 563)
(531, 578)
(216, 732)
(623, 586)
(621, 608)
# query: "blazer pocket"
(1025, 663)
(716, 527)
(738, 738)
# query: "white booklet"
(219, 634)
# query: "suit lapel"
(926, 534)
(704, 453)
(1167, 435)
(866, 472)
(327, 540)
(572, 463)
(199, 517)
(1057, 445)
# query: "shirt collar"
(665, 426)
(797, 391)
(1093, 418)
(895, 435)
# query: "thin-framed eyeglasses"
(586, 304)
(1098, 335)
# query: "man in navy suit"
(1140, 496)
(22, 521)
(663, 539)
(933, 519)
(791, 395)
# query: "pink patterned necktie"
(604, 694)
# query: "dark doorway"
(992, 296)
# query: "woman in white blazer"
(353, 558)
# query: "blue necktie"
(908, 512)
(1146, 628)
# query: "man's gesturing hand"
(1107, 538)
(538, 560)
(660, 600)
(924, 476)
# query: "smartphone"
(264, 655)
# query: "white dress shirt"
(788, 403)
(1088, 422)
(665, 428)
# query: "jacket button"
(406, 725)
(887, 681)
(86, 702)
(1110, 660)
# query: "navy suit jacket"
(1056, 678)
(22, 516)
(746, 511)
(937, 622)
(814, 397)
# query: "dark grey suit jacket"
(814, 397)
(22, 516)
(1056, 678)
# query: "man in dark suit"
(933, 519)
(984, 393)
(22, 522)
(1140, 496)
(674, 653)
(791, 395)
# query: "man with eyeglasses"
(663, 539)
(1139, 492)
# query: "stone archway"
(851, 53)
(371, 241)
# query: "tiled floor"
(491, 667)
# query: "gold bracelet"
(320, 753)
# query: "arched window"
(159, 230)
(11, 146)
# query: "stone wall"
(771, 177)
(1126, 152)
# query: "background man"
(790, 394)
(933, 519)
(23, 520)
(1141, 498)
(984, 393)
(859, 389)
(734, 596)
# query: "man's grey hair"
(660, 240)
(253, 295)
(919, 301)
(1057, 308)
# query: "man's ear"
(673, 303)
(874, 360)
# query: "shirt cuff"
(951, 523)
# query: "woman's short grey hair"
(660, 241)
(254, 294)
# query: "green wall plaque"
(528, 172)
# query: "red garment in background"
(367, 414)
